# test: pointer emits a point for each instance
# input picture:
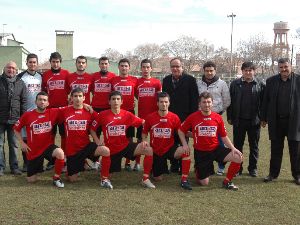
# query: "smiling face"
(284, 70)
(205, 105)
(10, 69)
(32, 64)
(176, 68)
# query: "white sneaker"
(106, 184)
(137, 167)
(58, 183)
(220, 172)
(148, 184)
(96, 165)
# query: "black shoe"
(49, 166)
(230, 186)
(16, 172)
(24, 169)
(268, 178)
(186, 185)
(297, 181)
(253, 173)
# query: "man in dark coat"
(12, 105)
(281, 110)
(183, 91)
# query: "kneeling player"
(162, 125)
(77, 121)
(39, 123)
(206, 126)
(114, 123)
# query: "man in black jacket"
(246, 95)
(183, 91)
(281, 110)
(12, 105)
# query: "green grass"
(85, 202)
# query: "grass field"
(85, 202)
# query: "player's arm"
(24, 146)
(88, 108)
(95, 137)
(229, 145)
(185, 145)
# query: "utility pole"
(232, 16)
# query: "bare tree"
(112, 54)
(148, 51)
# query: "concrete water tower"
(281, 45)
(64, 43)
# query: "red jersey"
(101, 88)
(56, 87)
(77, 125)
(146, 92)
(114, 128)
(161, 131)
(84, 82)
(39, 130)
(205, 129)
(125, 85)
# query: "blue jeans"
(12, 144)
(221, 164)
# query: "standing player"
(33, 82)
(81, 79)
(77, 123)
(54, 83)
(162, 125)
(206, 126)
(146, 92)
(39, 123)
(126, 85)
(115, 123)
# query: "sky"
(125, 24)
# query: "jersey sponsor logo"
(84, 87)
(56, 84)
(34, 88)
(39, 128)
(124, 90)
(41, 116)
(116, 130)
(143, 92)
(77, 124)
(102, 87)
(162, 132)
(163, 120)
(208, 118)
(207, 131)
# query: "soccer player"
(206, 126)
(39, 123)
(126, 85)
(146, 92)
(81, 79)
(162, 126)
(77, 121)
(115, 122)
(33, 82)
(54, 83)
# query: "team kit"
(101, 129)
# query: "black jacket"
(11, 111)
(233, 111)
(183, 98)
(269, 109)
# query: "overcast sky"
(124, 24)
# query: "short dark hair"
(55, 55)
(124, 60)
(77, 89)
(81, 57)
(32, 56)
(162, 94)
(146, 61)
(249, 65)
(205, 95)
(41, 93)
(115, 93)
(284, 60)
(103, 58)
(209, 64)
(177, 58)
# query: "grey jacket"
(10, 111)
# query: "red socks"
(233, 169)
(185, 167)
(148, 161)
(58, 167)
(105, 166)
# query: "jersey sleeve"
(146, 127)
(135, 121)
(177, 122)
(96, 121)
(221, 128)
(186, 125)
(20, 123)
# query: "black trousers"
(277, 146)
(239, 134)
